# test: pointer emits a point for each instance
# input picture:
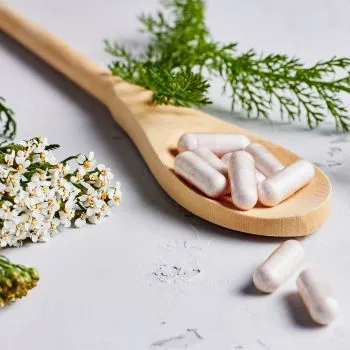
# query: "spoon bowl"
(155, 131)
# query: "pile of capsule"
(219, 164)
(315, 293)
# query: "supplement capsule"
(200, 174)
(241, 170)
(226, 157)
(317, 297)
(265, 161)
(260, 177)
(211, 159)
(279, 266)
(217, 143)
(286, 182)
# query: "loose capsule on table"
(218, 143)
(279, 266)
(200, 174)
(265, 161)
(259, 176)
(241, 170)
(286, 182)
(317, 297)
(211, 159)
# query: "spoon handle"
(72, 64)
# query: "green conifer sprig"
(182, 58)
(8, 124)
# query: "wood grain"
(155, 131)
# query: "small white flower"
(20, 199)
(9, 158)
(96, 219)
(66, 169)
(65, 219)
(79, 175)
(114, 195)
(38, 146)
(23, 143)
(66, 190)
(50, 228)
(2, 188)
(51, 198)
(5, 210)
(67, 215)
(4, 172)
(45, 156)
(87, 161)
(13, 183)
(44, 233)
(80, 222)
(34, 236)
(9, 226)
(53, 206)
(21, 161)
(105, 175)
(4, 239)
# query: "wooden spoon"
(155, 131)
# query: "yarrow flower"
(40, 195)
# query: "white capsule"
(260, 177)
(286, 182)
(317, 297)
(225, 158)
(241, 170)
(211, 159)
(200, 174)
(279, 266)
(217, 143)
(265, 161)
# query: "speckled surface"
(154, 276)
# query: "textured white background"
(154, 276)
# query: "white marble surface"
(153, 276)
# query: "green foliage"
(178, 86)
(52, 147)
(181, 57)
(8, 123)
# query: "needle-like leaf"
(182, 57)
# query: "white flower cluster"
(39, 195)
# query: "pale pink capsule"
(200, 174)
(211, 159)
(279, 266)
(260, 177)
(286, 182)
(265, 161)
(318, 297)
(241, 170)
(219, 143)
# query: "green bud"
(26, 278)
(13, 274)
(15, 281)
(7, 282)
(33, 273)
